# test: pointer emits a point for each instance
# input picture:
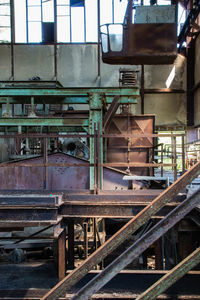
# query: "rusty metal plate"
(117, 148)
(58, 178)
(146, 44)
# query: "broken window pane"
(76, 3)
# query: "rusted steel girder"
(172, 276)
(111, 111)
(138, 247)
(123, 234)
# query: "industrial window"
(71, 21)
(5, 21)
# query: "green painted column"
(95, 105)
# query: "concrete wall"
(170, 109)
(197, 79)
(5, 62)
(77, 66)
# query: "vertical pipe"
(175, 161)
(61, 255)
(95, 232)
(162, 159)
(18, 141)
(99, 160)
(95, 159)
(27, 148)
(142, 89)
(183, 154)
(45, 158)
(71, 245)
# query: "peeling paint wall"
(197, 79)
(77, 66)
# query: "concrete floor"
(40, 275)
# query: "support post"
(61, 255)
(71, 245)
(174, 160)
(85, 227)
(60, 236)
(183, 153)
(95, 118)
(95, 233)
(45, 158)
(158, 255)
(161, 159)
(142, 89)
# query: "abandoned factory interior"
(99, 149)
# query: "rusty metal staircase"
(137, 248)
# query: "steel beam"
(42, 122)
(108, 210)
(137, 248)
(54, 129)
(124, 233)
(171, 277)
(27, 214)
(64, 92)
(67, 100)
(111, 111)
